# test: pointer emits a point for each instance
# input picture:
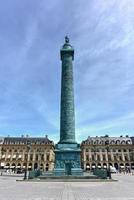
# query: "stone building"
(38, 153)
(103, 152)
(17, 153)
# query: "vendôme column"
(67, 112)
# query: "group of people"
(126, 170)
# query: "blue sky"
(31, 34)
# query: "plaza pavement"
(121, 190)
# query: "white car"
(113, 170)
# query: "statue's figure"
(66, 39)
(62, 164)
(57, 164)
(75, 164)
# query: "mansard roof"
(27, 140)
(111, 140)
(1, 140)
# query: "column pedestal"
(68, 161)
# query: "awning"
(93, 166)
(6, 167)
(2, 164)
(30, 167)
(3, 156)
(18, 166)
(122, 166)
(9, 156)
(20, 156)
(14, 156)
(12, 167)
(105, 166)
(99, 166)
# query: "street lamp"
(28, 149)
(107, 148)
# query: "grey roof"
(111, 140)
(1, 140)
(27, 140)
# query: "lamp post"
(107, 148)
(26, 169)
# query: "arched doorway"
(13, 167)
(24, 166)
(7, 166)
(127, 165)
(35, 166)
(93, 165)
(99, 165)
(116, 166)
(110, 164)
(87, 166)
(121, 165)
(30, 166)
(132, 165)
(47, 167)
(104, 165)
(41, 166)
(18, 168)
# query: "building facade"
(18, 153)
(103, 152)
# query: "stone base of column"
(67, 160)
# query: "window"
(98, 157)
(36, 158)
(109, 157)
(87, 157)
(120, 157)
(25, 156)
(104, 157)
(31, 157)
(92, 157)
(126, 158)
(47, 157)
(42, 157)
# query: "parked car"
(113, 170)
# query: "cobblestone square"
(121, 190)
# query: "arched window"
(117, 141)
(128, 142)
(123, 142)
(112, 142)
